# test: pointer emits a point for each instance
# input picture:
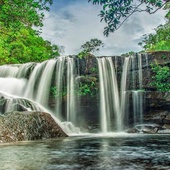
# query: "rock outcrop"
(24, 126)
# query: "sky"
(71, 23)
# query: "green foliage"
(54, 91)
(161, 77)
(87, 88)
(83, 54)
(164, 57)
(15, 13)
(129, 53)
(23, 46)
(115, 12)
(94, 70)
(19, 43)
(159, 41)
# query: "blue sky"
(73, 22)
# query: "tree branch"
(129, 15)
(159, 7)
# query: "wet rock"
(24, 126)
(132, 130)
(150, 131)
(148, 128)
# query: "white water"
(30, 90)
(59, 86)
(45, 83)
(140, 71)
(13, 101)
(109, 97)
(71, 98)
(12, 85)
(37, 88)
(137, 106)
(9, 70)
(133, 72)
(123, 90)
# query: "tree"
(160, 40)
(116, 12)
(15, 13)
(92, 46)
(19, 43)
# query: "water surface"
(116, 151)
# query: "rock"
(166, 126)
(132, 130)
(148, 128)
(24, 126)
(150, 131)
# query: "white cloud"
(75, 24)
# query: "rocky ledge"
(24, 126)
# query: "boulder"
(24, 126)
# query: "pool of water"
(114, 151)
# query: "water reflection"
(93, 152)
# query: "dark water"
(123, 151)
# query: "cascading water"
(45, 83)
(138, 93)
(123, 92)
(140, 70)
(109, 97)
(114, 101)
(137, 106)
(33, 82)
(71, 98)
(10, 103)
(59, 86)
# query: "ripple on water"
(88, 152)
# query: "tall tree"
(116, 12)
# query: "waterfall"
(138, 94)
(31, 83)
(133, 72)
(123, 92)
(45, 83)
(10, 103)
(59, 86)
(71, 83)
(9, 70)
(109, 98)
(140, 70)
(13, 85)
(30, 90)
